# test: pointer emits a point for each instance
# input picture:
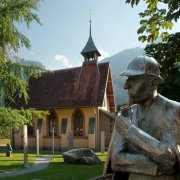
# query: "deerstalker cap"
(143, 65)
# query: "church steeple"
(90, 51)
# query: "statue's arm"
(134, 163)
(162, 154)
(123, 160)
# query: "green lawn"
(15, 162)
(57, 169)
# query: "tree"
(13, 79)
(155, 18)
(14, 12)
(167, 53)
(168, 56)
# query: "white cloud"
(62, 59)
(103, 53)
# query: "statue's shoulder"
(167, 103)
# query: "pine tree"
(13, 76)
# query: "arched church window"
(52, 124)
(78, 124)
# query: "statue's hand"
(122, 125)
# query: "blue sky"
(58, 42)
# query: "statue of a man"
(145, 144)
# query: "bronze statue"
(145, 144)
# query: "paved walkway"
(41, 163)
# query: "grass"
(57, 169)
(15, 162)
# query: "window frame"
(81, 133)
(52, 113)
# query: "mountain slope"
(118, 63)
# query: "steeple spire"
(90, 21)
(90, 27)
(90, 51)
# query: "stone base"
(9, 153)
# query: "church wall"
(87, 140)
(79, 143)
(106, 125)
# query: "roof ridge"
(65, 69)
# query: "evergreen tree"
(13, 75)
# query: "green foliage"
(167, 53)
(13, 84)
(133, 2)
(11, 13)
(168, 56)
(154, 19)
(13, 79)
(4, 134)
(14, 76)
(15, 118)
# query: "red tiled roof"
(74, 87)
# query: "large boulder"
(81, 156)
